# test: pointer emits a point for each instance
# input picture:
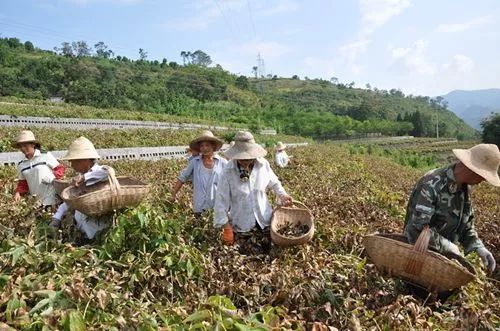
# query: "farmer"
(82, 156)
(37, 171)
(204, 171)
(242, 191)
(281, 158)
(191, 153)
(441, 200)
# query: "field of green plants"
(159, 268)
(116, 138)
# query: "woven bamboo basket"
(432, 271)
(60, 185)
(105, 197)
(297, 216)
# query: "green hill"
(314, 108)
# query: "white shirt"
(247, 201)
(281, 159)
(84, 223)
(38, 173)
(203, 188)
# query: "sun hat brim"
(85, 155)
(465, 156)
(195, 144)
(16, 144)
(245, 151)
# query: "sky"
(423, 47)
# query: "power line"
(225, 20)
(251, 19)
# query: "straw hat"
(483, 159)
(206, 136)
(245, 147)
(280, 146)
(80, 149)
(26, 136)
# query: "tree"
(334, 80)
(102, 50)
(295, 77)
(80, 48)
(201, 58)
(185, 56)
(65, 49)
(255, 71)
(28, 45)
(143, 55)
(242, 83)
(418, 124)
(491, 129)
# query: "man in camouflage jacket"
(441, 200)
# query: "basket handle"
(296, 202)
(414, 265)
(423, 239)
(114, 185)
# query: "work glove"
(488, 259)
(452, 248)
(228, 236)
(55, 223)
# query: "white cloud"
(352, 50)
(460, 64)
(414, 59)
(461, 27)
(375, 13)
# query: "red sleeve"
(22, 186)
(58, 171)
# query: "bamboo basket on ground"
(296, 216)
(105, 197)
(432, 271)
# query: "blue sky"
(420, 46)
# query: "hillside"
(314, 108)
(474, 106)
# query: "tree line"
(97, 76)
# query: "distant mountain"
(473, 106)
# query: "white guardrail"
(115, 154)
(85, 124)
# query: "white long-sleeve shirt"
(37, 171)
(205, 182)
(247, 201)
(281, 159)
(84, 223)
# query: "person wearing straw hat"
(83, 158)
(37, 171)
(204, 171)
(242, 191)
(281, 158)
(441, 200)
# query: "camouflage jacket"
(439, 202)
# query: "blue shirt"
(203, 191)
